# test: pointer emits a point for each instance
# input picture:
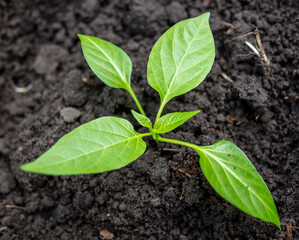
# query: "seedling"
(179, 61)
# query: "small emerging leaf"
(101, 145)
(141, 119)
(181, 58)
(171, 121)
(109, 62)
(234, 177)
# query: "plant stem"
(160, 111)
(145, 134)
(130, 90)
(169, 140)
(132, 93)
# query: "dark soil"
(164, 194)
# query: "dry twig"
(227, 77)
(231, 28)
(15, 206)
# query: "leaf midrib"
(170, 123)
(112, 62)
(100, 149)
(185, 54)
(240, 180)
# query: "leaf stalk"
(132, 93)
(178, 142)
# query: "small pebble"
(70, 114)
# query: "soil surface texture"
(47, 89)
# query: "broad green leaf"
(234, 177)
(181, 58)
(171, 121)
(101, 145)
(109, 62)
(143, 120)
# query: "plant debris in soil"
(162, 195)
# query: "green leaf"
(143, 120)
(234, 177)
(171, 121)
(181, 58)
(109, 62)
(101, 145)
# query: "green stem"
(169, 140)
(132, 93)
(145, 134)
(160, 111)
(130, 90)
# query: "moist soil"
(163, 194)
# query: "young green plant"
(179, 61)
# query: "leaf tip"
(133, 112)
(204, 16)
(80, 36)
(30, 167)
(276, 221)
(26, 167)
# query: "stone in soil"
(70, 114)
(50, 56)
